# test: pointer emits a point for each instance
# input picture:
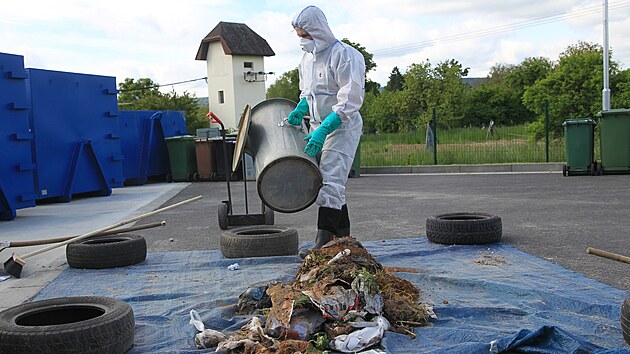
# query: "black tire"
(625, 320)
(464, 228)
(223, 216)
(107, 251)
(259, 241)
(564, 170)
(89, 324)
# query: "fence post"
(434, 128)
(546, 130)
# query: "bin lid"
(241, 137)
(181, 137)
(616, 112)
(579, 121)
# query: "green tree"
(528, 72)
(620, 90)
(498, 74)
(131, 93)
(287, 86)
(144, 94)
(396, 81)
(446, 93)
(572, 88)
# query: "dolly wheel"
(223, 216)
(269, 216)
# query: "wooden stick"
(124, 222)
(106, 233)
(609, 255)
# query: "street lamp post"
(606, 90)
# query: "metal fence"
(489, 144)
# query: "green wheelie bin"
(182, 157)
(578, 141)
(614, 140)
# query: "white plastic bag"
(206, 338)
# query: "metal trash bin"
(287, 180)
(614, 140)
(182, 158)
(578, 141)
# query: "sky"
(159, 39)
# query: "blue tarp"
(491, 298)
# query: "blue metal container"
(77, 149)
(17, 188)
(144, 150)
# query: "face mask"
(308, 45)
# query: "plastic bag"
(206, 338)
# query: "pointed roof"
(236, 39)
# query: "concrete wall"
(220, 78)
(247, 91)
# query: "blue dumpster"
(144, 150)
(17, 188)
(77, 148)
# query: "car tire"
(222, 213)
(259, 241)
(87, 324)
(464, 228)
(106, 251)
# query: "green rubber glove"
(295, 117)
(318, 136)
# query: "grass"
(458, 146)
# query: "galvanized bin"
(17, 187)
(287, 179)
(77, 148)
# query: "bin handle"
(213, 118)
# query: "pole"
(606, 90)
(434, 138)
(547, 131)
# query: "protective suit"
(332, 80)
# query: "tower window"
(221, 97)
(248, 65)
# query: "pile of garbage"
(342, 299)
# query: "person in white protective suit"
(332, 85)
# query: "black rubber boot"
(327, 221)
(343, 229)
(322, 238)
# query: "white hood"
(314, 22)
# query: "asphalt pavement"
(544, 214)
